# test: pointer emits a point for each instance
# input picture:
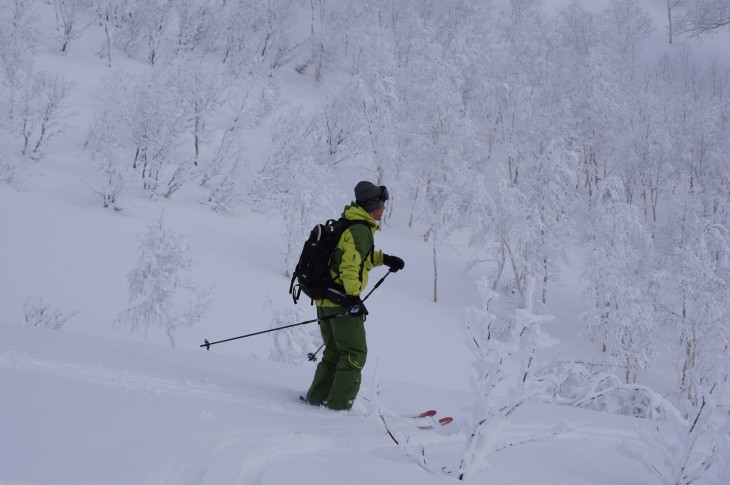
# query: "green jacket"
(355, 254)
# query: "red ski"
(441, 422)
(426, 414)
(430, 414)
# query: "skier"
(337, 377)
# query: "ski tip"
(442, 422)
(427, 414)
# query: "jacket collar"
(354, 212)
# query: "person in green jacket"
(337, 378)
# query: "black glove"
(356, 306)
(393, 262)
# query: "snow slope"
(80, 409)
(92, 404)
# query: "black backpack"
(312, 274)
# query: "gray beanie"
(369, 196)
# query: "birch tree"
(671, 5)
(67, 12)
(626, 26)
(111, 15)
(154, 120)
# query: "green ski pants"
(337, 378)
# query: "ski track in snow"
(129, 381)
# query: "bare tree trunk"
(413, 206)
(669, 19)
(518, 283)
(500, 268)
(435, 273)
(108, 34)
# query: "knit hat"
(370, 196)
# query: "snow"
(83, 409)
(93, 404)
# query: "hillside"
(105, 398)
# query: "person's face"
(378, 214)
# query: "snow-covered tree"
(116, 176)
(625, 27)
(67, 12)
(704, 16)
(513, 222)
(154, 120)
(106, 144)
(111, 15)
(696, 282)
(36, 107)
(157, 287)
(18, 34)
(619, 274)
(154, 19)
(224, 194)
(195, 24)
(337, 132)
(255, 36)
(671, 6)
(377, 110)
(444, 166)
(294, 184)
(222, 171)
(594, 96)
(201, 88)
(50, 93)
(695, 244)
(646, 167)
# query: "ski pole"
(312, 356)
(207, 344)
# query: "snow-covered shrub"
(40, 314)
(115, 176)
(687, 452)
(11, 171)
(609, 394)
(224, 193)
(504, 377)
(155, 285)
(572, 384)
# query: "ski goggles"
(383, 196)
